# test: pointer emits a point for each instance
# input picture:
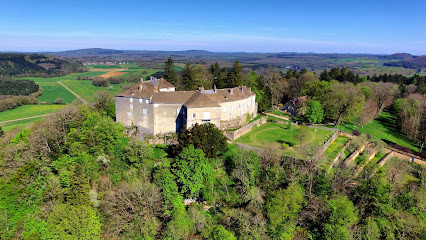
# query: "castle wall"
(234, 114)
(138, 111)
(200, 113)
(168, 118)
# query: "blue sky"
(362, 26)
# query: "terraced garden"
(335, 147)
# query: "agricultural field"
(53, 90)
(20, 123)
(26, 111)
(86, 90)
(382, 129)
(274, 135)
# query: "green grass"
(259, 116)
(274, 134)
(53, 90)
(276, 119)
(281, 113)
(86, 90)
(28, 111)
(103, 66)
(21, 123)
(335, 147)
(382, 128)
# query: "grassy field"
(53, 90)
(382, 128)
(28, 111)
(21, 123)
(274, 134)
(335, 147)
(86, 90)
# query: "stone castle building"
(155, 107)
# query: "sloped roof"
(194, 99)
(198, 100)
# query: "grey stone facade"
(154, 107)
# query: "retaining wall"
(232, 135)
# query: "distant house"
(156, 107)
(294, 105)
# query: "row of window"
(140, 100)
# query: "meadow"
(86, 90)
(28, 111)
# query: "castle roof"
(200, 98)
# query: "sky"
(320, 26)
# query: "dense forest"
(415, 63)
(78, 175)
(14, 64)
(17, 87)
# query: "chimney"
(249, 89)
(241, 88)
(201, 89)
(214, 87)
(231, 91)
(151, 77)
(140, 85)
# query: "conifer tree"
(169, 71)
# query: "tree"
(169, 71)
(137, 151)
(202, 76)
(205, 136)
(1, 132)
(78, 193)
(73, 222)
(188, 78)
(315, 112)
(303, 134)
(343, 100)
(282, 210)
(132, 210)
(235, 76)
(59, 101)
(342, 217)
(192, 170)
(409, 112)
(104, 103)
(220, 233)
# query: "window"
(239, 106)
(224, 109)
(194, 115)
(140, 100)
(231, 108)
(230, 114)
(147, 101)
(206, 116)
(165, 112)
(244, 105)
(131, 99)
(129, 113)
(144, 111)
(131, 106)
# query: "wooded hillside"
(13, 64)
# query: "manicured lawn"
(53, 90)
(382, 128)
(335, 147)
(274, 134)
